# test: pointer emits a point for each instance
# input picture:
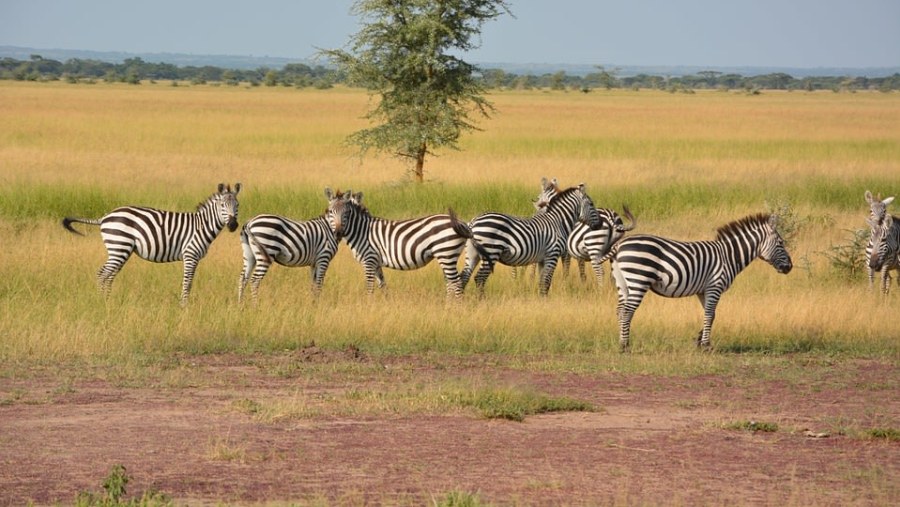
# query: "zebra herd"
(566, 225)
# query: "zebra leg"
(249, 265)
(871, 274)
(107, 273)
(597, 267)
(190, 267)
(581, 273)
(886, 279)
(481, 277)
(629, 299)
(259, 271)
(547, 275)
(451, 276)
(318, 275)
(709, 300)
(374, 273)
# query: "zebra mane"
(559, 197)
(730, 229)
(208, 200)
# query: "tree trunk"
(419, 171)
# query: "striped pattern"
(705, 269)
(519, 241)
(402, 244)
(885, 254)
(588, 244)
(877, 215)
(273, 239)
(163, 236)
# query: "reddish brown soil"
(652, 440)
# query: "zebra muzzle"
(232, 224)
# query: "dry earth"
(652, 440)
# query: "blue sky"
(767, 33)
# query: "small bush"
(890, 434)
(849, 259)
(753, 426)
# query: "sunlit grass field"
(684, 164)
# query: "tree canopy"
(406, 52)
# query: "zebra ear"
(544, 182)
(329, 194)
(357, 198)
(888, 221)
(888, 200)
(237, 188)
(869, 197)
(221, 187)
(582, 187)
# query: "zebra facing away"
(885, 255)
(877, 214)
(705, 269)
(397, 244)
(268, 239)
(162, 236)
(520, 241)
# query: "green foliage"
(114, 486)
(403, 54)
(459, 499)
(848, 259)
(890, 434)
(514, 404)
(754, 426)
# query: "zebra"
(585, 243)
(268, 239)
(885, 255)
(162, 236)
(519, 241)
(705, 269)
(397, 244)
(877, 215)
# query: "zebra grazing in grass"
(402, 244)
(877, 215)
(585, 243)
(268, 239)
(519, 241)
(885, 244)
(705, 269)
(163, 236)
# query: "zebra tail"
(465, 231)
(67, 223)
(630, 218)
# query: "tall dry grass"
(685, 164)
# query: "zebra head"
(588, 213)
(772, 249)
(340, 206)
(226, 205)
(877, 209)
(884, 244)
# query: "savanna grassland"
(685, 164)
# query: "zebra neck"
(741, 249)
(357, 231)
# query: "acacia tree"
(402, 54)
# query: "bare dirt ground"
(651, 440)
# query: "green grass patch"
(890, 434)
(754, 426)
(514, 404)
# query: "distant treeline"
(136, 70)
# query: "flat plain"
(403, 397)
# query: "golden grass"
(168, 146)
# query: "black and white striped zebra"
(885, 254)
(268, 239)
(586, 243)
(520, 241)
(163, 236)
(705, 269)
(877, 214)
(397, 244)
